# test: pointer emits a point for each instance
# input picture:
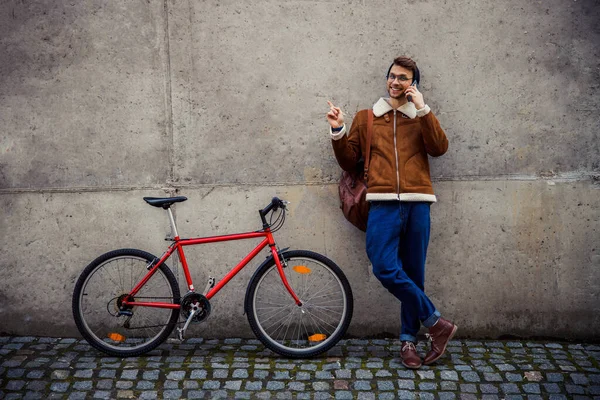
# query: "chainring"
(192, 300)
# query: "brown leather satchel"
(353, 186)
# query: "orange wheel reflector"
(116, 337)
(317, 337)
(301, 269)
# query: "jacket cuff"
(423, 111)
(337, 135)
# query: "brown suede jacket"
(401, 141)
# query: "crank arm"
(181, 331)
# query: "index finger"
(330, 104)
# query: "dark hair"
(407, 63)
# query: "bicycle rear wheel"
(101, 287)
(300, 331)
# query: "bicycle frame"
(178, 245)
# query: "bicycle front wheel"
(300, 331)
(100, 290)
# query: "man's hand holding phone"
(413, 95)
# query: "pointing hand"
(335, 116)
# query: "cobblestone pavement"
(42, 368)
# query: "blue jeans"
(397, 239)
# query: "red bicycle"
(127, 302)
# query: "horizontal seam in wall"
(169, 188)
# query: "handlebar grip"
(273, 206)
(276, 203)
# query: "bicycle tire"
(95, 309)
(300, 331)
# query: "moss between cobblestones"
(471, 354)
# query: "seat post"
(172, 221)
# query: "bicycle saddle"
(164, 202)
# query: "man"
(399, 191)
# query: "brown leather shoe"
(410, 358)
(439, 335)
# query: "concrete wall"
(104, 102)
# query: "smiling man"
(400, 192)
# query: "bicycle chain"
(149, 326)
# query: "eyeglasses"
(401, 78)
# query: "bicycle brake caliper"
(152, 263)
(282, 260)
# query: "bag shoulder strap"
(368, 146)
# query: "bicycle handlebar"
(275, 204)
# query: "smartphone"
(409, 97)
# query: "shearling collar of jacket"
(382, 107)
